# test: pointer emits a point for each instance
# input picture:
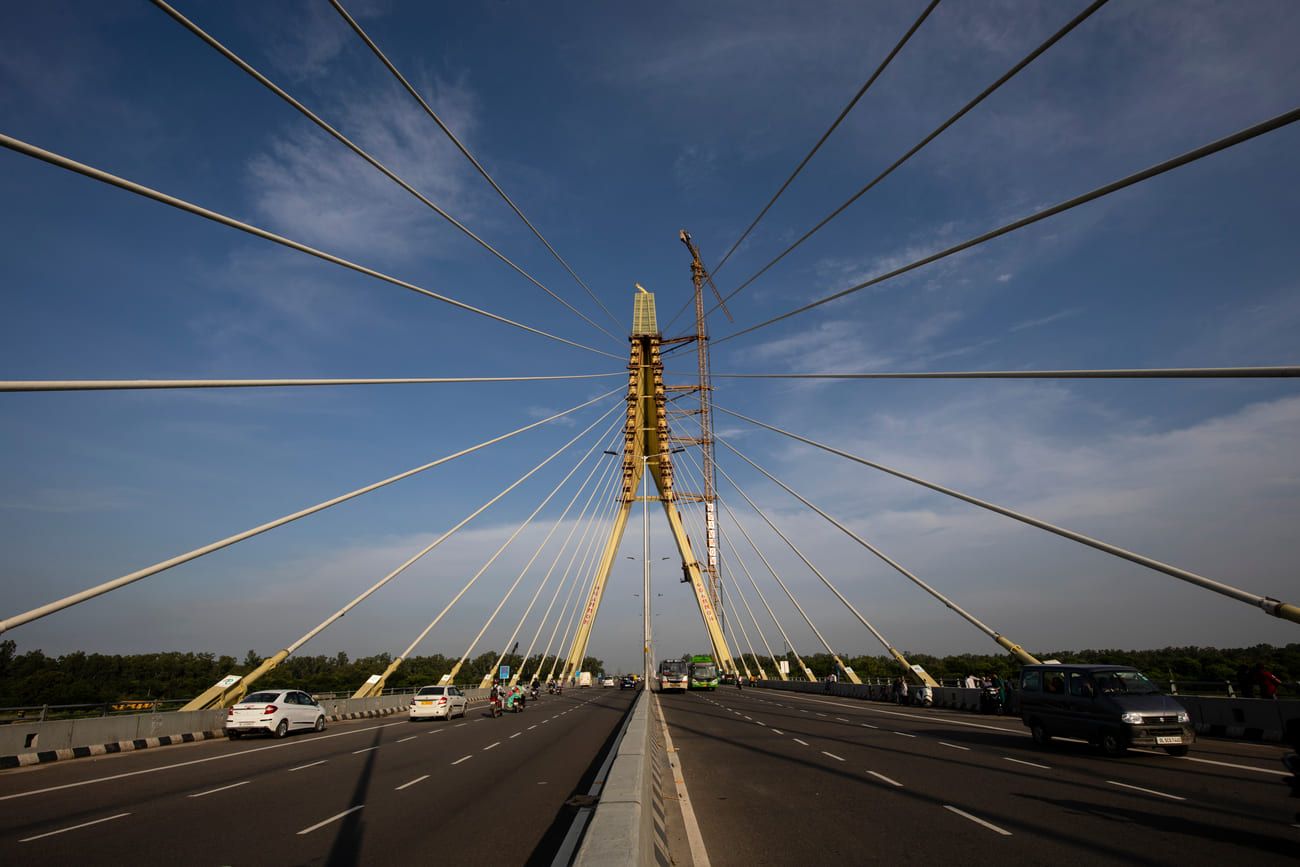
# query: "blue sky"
(613, 128)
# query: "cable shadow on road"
(345, 851)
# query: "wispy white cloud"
(1046, 320)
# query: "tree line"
(33, 678)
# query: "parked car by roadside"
(275, 712)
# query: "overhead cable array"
(100, 589)
(356, 149)
(916, 25)
(72, 165)
(1003, 79)
(1274, 123)
(383, 58)
(1275, 607)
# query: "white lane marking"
(819, 713)
(433, 731)
(279, 746)
(886, 779)
(759, 722)
(411, 738)
(1220, 764)
(954, 746)
(460, 725)
(750, 718)
(490, 746)
(797, 741)
(1023, 762)
(73, 828)
(832, 755)
(366, 750)
(309, 765)
(516, 734)
(530, 728)
(936, 717)
(778, 731)
(868, 726)
(545, 721)
(320, 825)
(1148, 791)
(462, 759)
(905, 734)
(221, 789)
(412, 783)
(699, 855)
(841, 719)
(977, 820)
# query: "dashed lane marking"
(832, 755)
(462, 759)
(73, 828)
(531, 727)
(891, 782)
(1023, 762)
(1148, 791)
(905, 734)
(977, 820)
(841, 719)
(868, 726)
(797, 741)
(334, 818)
(308, 765)
(412, 783)
(954, 746)
(516, 734)
(490, 746)
(366, 750)
(411, 738)
(221, 789)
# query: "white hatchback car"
(276, 712)
(438, 701)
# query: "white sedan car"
(275, 712)
(609, 681)
(438, 702)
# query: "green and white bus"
(704, 673)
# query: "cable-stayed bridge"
(629, 774)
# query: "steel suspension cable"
(1276, 371)
(1270, 125)
(445, 536)
(72, 165)
(790, 644)
(509, 541)
(1005, 77)
(925, 13)
(600, 482)
(893, 651)
(1269, 605)
(356, 149)
(745, 568)
(744, 633)
(100, 589)
(580, 581)
(568, 575)
(1001, 640)
(590, 567)
(128, 384)
(406, 653)
(383, 58)
(739, 592)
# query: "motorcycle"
(991, 700)
(515, 702)
(923, 696)
(535, 692)
(494, 707)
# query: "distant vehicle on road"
(628, 682)
(704, 673)
(608, 681)
(274, 712)
(584, 678)
(1111, 706)
(437, 702)
(673, 674)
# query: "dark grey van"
(1111, 706)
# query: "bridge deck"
(777, 778)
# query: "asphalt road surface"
(784, 778)
(381, 791)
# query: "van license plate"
(1169, 740)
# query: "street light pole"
(647, 661)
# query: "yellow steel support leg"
(220, 695)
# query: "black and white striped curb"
(42, 757)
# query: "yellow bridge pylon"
(647, 448)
